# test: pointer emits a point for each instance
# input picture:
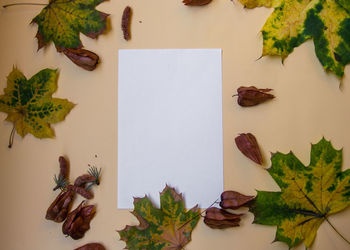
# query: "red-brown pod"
(126, 21)
(91, 246)
(59, 208)
(85, 59)
(83, 179)
(234, 200)
(82, 191)
(251, 96)
(196, 2)
(78, 221)
(63, 167)
(217, 218)
(62, 180)
(248, 145)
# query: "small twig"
(197, 215)
(337, 231)
(14, 4)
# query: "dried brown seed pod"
(234, 200)
(91, 246)
(248, 145)
(78, 221)
(84, 179)
(196, 2)
(59, 208)
(62, 180)
(85, 59)
(92, 178)
(80, 190)
(217, 218)
(126, 21)
(251, 96)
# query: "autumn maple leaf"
(29, 105)
(309, 195)
(62, 21)
(166, 228)
(327, 22)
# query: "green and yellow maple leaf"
(166, 228)
(61, 21)
(29, 105)
(295, 21)
(308, 194)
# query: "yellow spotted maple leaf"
(29, 105)
(292, 22)
(309, 195)
(166, 228)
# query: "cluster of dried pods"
(76, 222)
(220, 218)
(246, 142)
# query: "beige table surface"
(309, 105)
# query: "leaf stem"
(337, 231)
(12, 135)
(197, 215)
(14, 4)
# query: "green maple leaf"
(308, 194)
(295, 21)
(29, 105)
(168, 228)
(61, 21)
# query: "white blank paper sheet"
(170, 124)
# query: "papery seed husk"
(59, 208)
(196, 2)
(85, 59)
(248, 145)
(251, 96)
(218, 218)
(91, 246)
(234, 200)
(78, 221)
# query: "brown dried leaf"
(248, 145)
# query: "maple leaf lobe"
(29, 105)
(308, 194)
(163, 228)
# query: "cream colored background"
(309, 105)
